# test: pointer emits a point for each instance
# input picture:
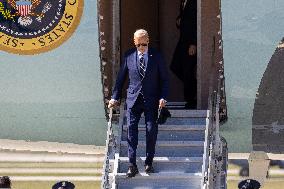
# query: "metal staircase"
(190, 153)
(184, 156)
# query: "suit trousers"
(190, 81)
(133, 116)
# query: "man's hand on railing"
(112, 103)
(162, 103)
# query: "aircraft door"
(136, 15)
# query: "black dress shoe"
(132, 171)
(149, 169)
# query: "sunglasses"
(142, 44)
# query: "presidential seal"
(36, 26)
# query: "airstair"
(190, 154)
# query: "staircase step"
(159, 181)
(171, 143)
(169, 104)
(168, 159)
(179, 152)
(168, 148)
(174, 127)
(182, 113)
(178, 121)
(172, 132)
(166, 164)
(189, 113)
(155, 176)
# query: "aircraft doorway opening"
(159, 19)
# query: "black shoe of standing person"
(149, 169)
(132, 171)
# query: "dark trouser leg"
(133, 117)
(151, 134)
(190, 81)
(190, 90)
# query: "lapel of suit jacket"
(134, 61)
(150, 61)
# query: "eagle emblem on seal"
(25, 9)
(36, 26)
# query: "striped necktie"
(142, 66)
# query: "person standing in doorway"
(147, 92)
(184, 60)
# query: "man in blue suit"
(147, 91)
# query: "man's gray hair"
(141, 33)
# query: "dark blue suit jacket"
(155, 84)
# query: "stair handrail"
(207, 145)
(212, 156)
(220, 145)
(109, 150)
(212, 145)
(218, 148)
(215, 147)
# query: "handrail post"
(214, 144)
(110, 145)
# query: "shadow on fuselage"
(268, 114)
